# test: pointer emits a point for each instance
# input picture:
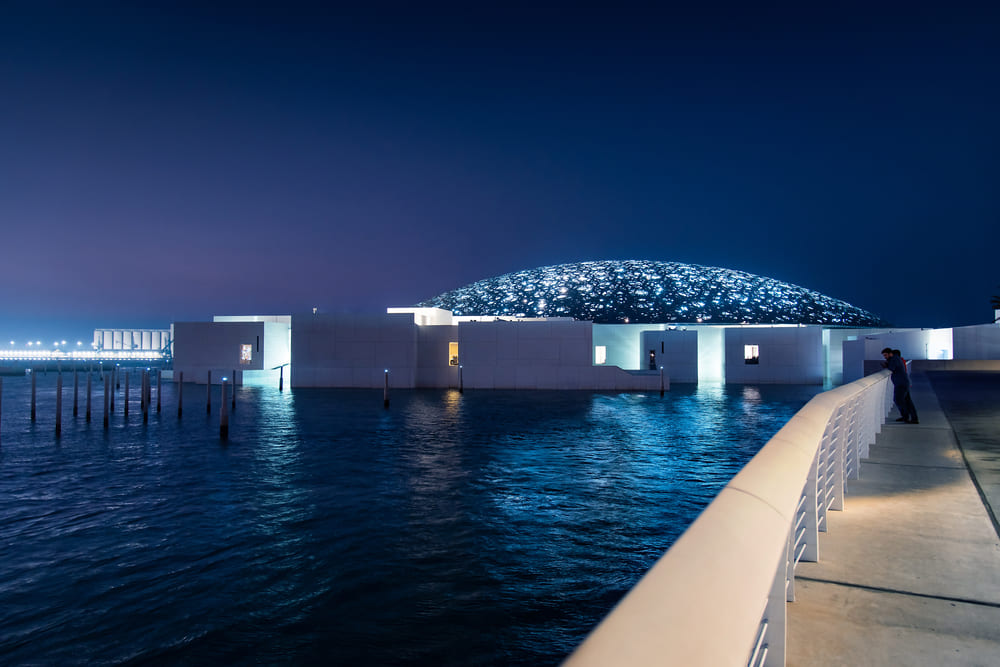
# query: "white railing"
(718, 596)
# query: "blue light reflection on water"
(476, 528)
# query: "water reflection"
(484, 527)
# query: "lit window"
(246, 354)
(751, 354)
(600, 354)
(453, 354)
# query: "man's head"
(886, 353)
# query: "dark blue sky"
(173, 161)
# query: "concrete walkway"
(909, 572)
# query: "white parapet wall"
(217, 347)
(674, 350)
(540, 355)
(330, 350)
(783, 355)
(915, 344)
(977, 342)
(717, 597)
(354, 350)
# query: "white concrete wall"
(853, 359)
(426, 316)
(913, 343)
(622, 343)
(676, 351)
(834, 342)
(278, 319)
(433, 369)
(977, 342)
(276, 342)
(540, 355)
(524, 355)
(788, 355)
(711, 354)
(353, 350)
(271, 350)
(203, 346)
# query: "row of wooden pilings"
(113, 378)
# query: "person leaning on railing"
(900, 386)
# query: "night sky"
(166, 162)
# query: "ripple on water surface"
(452, 529)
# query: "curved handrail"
(712, 598)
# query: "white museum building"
(610, 326)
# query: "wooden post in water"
(234, 389)
(145, 393)
(59, 404)
(114, 382)
(208, 395)
(107, 390)
(76, 392)
(223, 414)
(125, 398)
(118, 380)
(180, 394)
(661, 381)
(385, 392)
(159, 386)
(89, 375)
(33, 394)
(461, 384)
(281, 378)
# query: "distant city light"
(30, 352)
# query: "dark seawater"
(485, 528)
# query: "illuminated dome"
(641, 291)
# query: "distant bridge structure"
(153, 347)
